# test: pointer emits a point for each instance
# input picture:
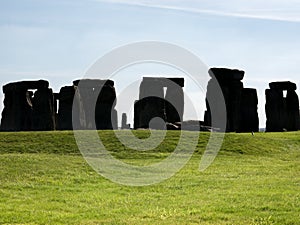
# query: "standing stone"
(282, 112)
(283, 85)
(88, 101)
(150, 104)
(292, 108)
(124, 122)
(232, 87)
(241, 103)
(151, 87)
(22, 111)
(43, 110)
(99, 100)
(106, 115)
(214, 106)
(17, 112)
(249, 121)
(154, 108)
(274, 110)
(174, 104)
(149, 109)
(70, 109)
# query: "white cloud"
(269, 10)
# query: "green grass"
(254, 180)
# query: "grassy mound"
(254, 180)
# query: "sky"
(59, 40)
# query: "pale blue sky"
(59, 40)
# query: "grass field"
(254, 180)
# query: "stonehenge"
(161, 101)
(25, 110)
(282, 111)
(240, 103)
(90, 104)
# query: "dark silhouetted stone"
(226, 75)
(25, 85)
(154, 103)
(92, 83)
(292, 108)
(99, 99)
(249, 121)
(237, 110)
(231, 86)
(174, 104)
(70, 108)
(64, 117)
(151, 87)
(282, 112)
(274, 110)
(24, 111)
(43, 110)
(17, 112)
(146, 110)
(88, 104)
(284, 85)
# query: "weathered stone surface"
(154, 103)
(283, 85)
(282, 112)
